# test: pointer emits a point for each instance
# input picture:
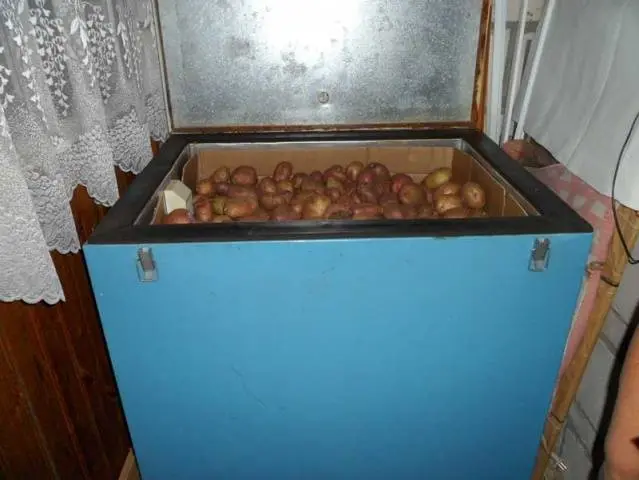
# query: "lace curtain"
(80, 93)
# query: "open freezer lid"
(251, 65)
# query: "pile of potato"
(358, 192)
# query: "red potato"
(221, 175)
(380, 170)
(315, 207)
(258, 215)
(298, 179)
(473, 195)
(381, 187)
(334, 183)
(267, 185)
(317, 176)
(283, 171)
(411, 194)
(241, 191)
(366, 176)
(353, 170)
(333, 193)
(240, 207)
(410, 211)
(398, 181)
(336, 172)
(393, 211)
(221, 188)
(285, 213)
(311, 185)
(270, 201)
(203, 211)
(366, 211)
(285, 186)
(179, 216)
(425, 211)
(366, 192)
(204, 187)
(338, 211)
(244, 175)
(388, 198)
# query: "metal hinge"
(539, 255)
(147, 271)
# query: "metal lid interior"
(263, 64)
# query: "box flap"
(252, 65)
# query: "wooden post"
(571, 378)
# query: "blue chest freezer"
(334, 349)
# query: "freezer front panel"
(370, 358)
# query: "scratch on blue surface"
(246, 388)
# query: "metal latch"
(539, 255)
(146, 265)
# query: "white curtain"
(80, 93)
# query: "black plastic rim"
(118, 225)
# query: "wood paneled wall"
(60, 416)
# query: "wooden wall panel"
(60, 416)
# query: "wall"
(581, 446)
(60, 415)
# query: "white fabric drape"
(80, 92)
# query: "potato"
(258, 215)
(366, 192)
(366, 176)
(221, 175)
(270, 201)
(366, 211)
(316, 206)
(381, 187)
(283, 171)
(244, 175)
(217, 205)
(448, 188)
(393, 211)
(203, 211)
(333, 193)
(285, 213)
(476, 213)
(317, 176)
(353, 170)
(311, 185)
(338, 211)
(240, 207)
(409, 211)
(473, 195)
(204, 187)
(388, 198)
(411, 194)
(438, 177)
(267, 185)
(459, 212)
(336, 172)
(221, 219)
(179, 216)
(284, 186)
(221, 188)
(298, 179)
(298, 200)
(241, 191)
(381, 171)
(447, 202)
(334, 182)
(356, 199)
(425, 211)
(398, 181)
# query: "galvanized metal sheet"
(283, 62)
